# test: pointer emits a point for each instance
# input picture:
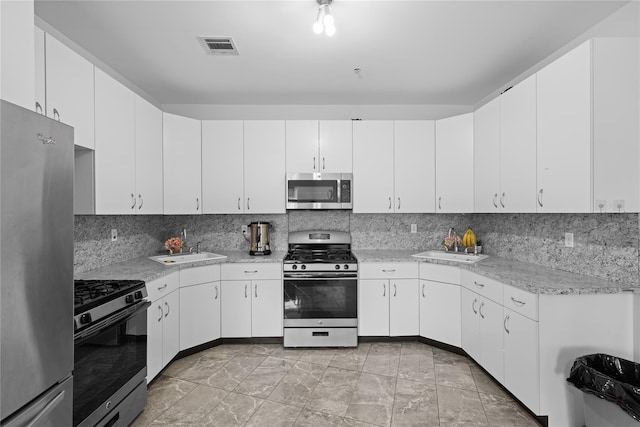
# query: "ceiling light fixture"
(324, 21)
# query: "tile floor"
(375, 384)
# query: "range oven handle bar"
(320, 276)
(119, 317)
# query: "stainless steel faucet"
(452, 233)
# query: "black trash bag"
(612, 378)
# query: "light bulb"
(328, 20)
(330, 30)
(318, 27)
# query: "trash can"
(611, 387)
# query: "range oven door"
(314, 299)
(110, 367)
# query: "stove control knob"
(85, 318)
(337, 267)
(304, 267)
(294, 267)
(138, 295)
(128, 299)
(346, 266)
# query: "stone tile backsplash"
(606, 245)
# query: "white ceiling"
(410, 52)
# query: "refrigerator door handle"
(41, 416)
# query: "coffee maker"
(260, 238)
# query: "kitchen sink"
(451, 256)
(185, 258)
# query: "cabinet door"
(155, 315)
(40, 88)
(302, 146)
(373, 307)
(266, 308)
(170, 327)
(236, 310)
(564, 133)
(182, 162)
(115, 157)
(491, 345)
(521, 364)
(486, 157)
(70, 96)
(404, 307)
(17, 53)
(373, 166)
(148, 124)
(264, 166)
(336, 151)
(222, 166)
(199, 317)
(470, 327)
(440, 312)
(518, 147)
(454, 163)
(414, 166)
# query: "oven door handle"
(324, 276)
(119, 317)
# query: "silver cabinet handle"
(502, 200)
(245, 291)
(163, 287)
(42, 415)
(314, 162)
(238, 203)
(480, 310)
(398, 203)
(439, 202)
(480, 285)
(216, 297)
(161, 313)
(518, 302)
(38, 107)
(495, 197)
(388, 271)
(55, 113)
(506, 319)
(248, 207)
(255, 290)
(133, 201)
(540, 197)
(197, 203)
(323, 164)
(250, 271)
(166, 304)
(473, 306)
(389, 202)
(423, 296)
(395, 290)
(141, 201)
(384, 289)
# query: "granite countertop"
(530, 277)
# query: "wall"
(606, 245)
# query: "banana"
(469, 239)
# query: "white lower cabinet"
(440, 303)
(252, 300)
(388, 299)
(163, 323)
(199, 305)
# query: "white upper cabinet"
(564, 133)
(264, 166)
(318, 146)
(148, 137)
(414, 166)
(454, 164)
(486, 154)
(222, 167)
(115, 159)
(373, 166)
(70, 90)
(17, 56)
(182, 163)
(40, 77)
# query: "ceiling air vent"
(218, 45)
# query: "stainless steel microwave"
(319, 191)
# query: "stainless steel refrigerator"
(36, 279)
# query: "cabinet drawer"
(382, 270)
(163, 286)
(521, 301)
(251, 271)
(439, 273)
(196, 275)
(484, 286)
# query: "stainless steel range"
(320, 290)
(110, 352)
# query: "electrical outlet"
(618, 206)
(114, 234)
(414, 228)
(568, 240)
(244, 229)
